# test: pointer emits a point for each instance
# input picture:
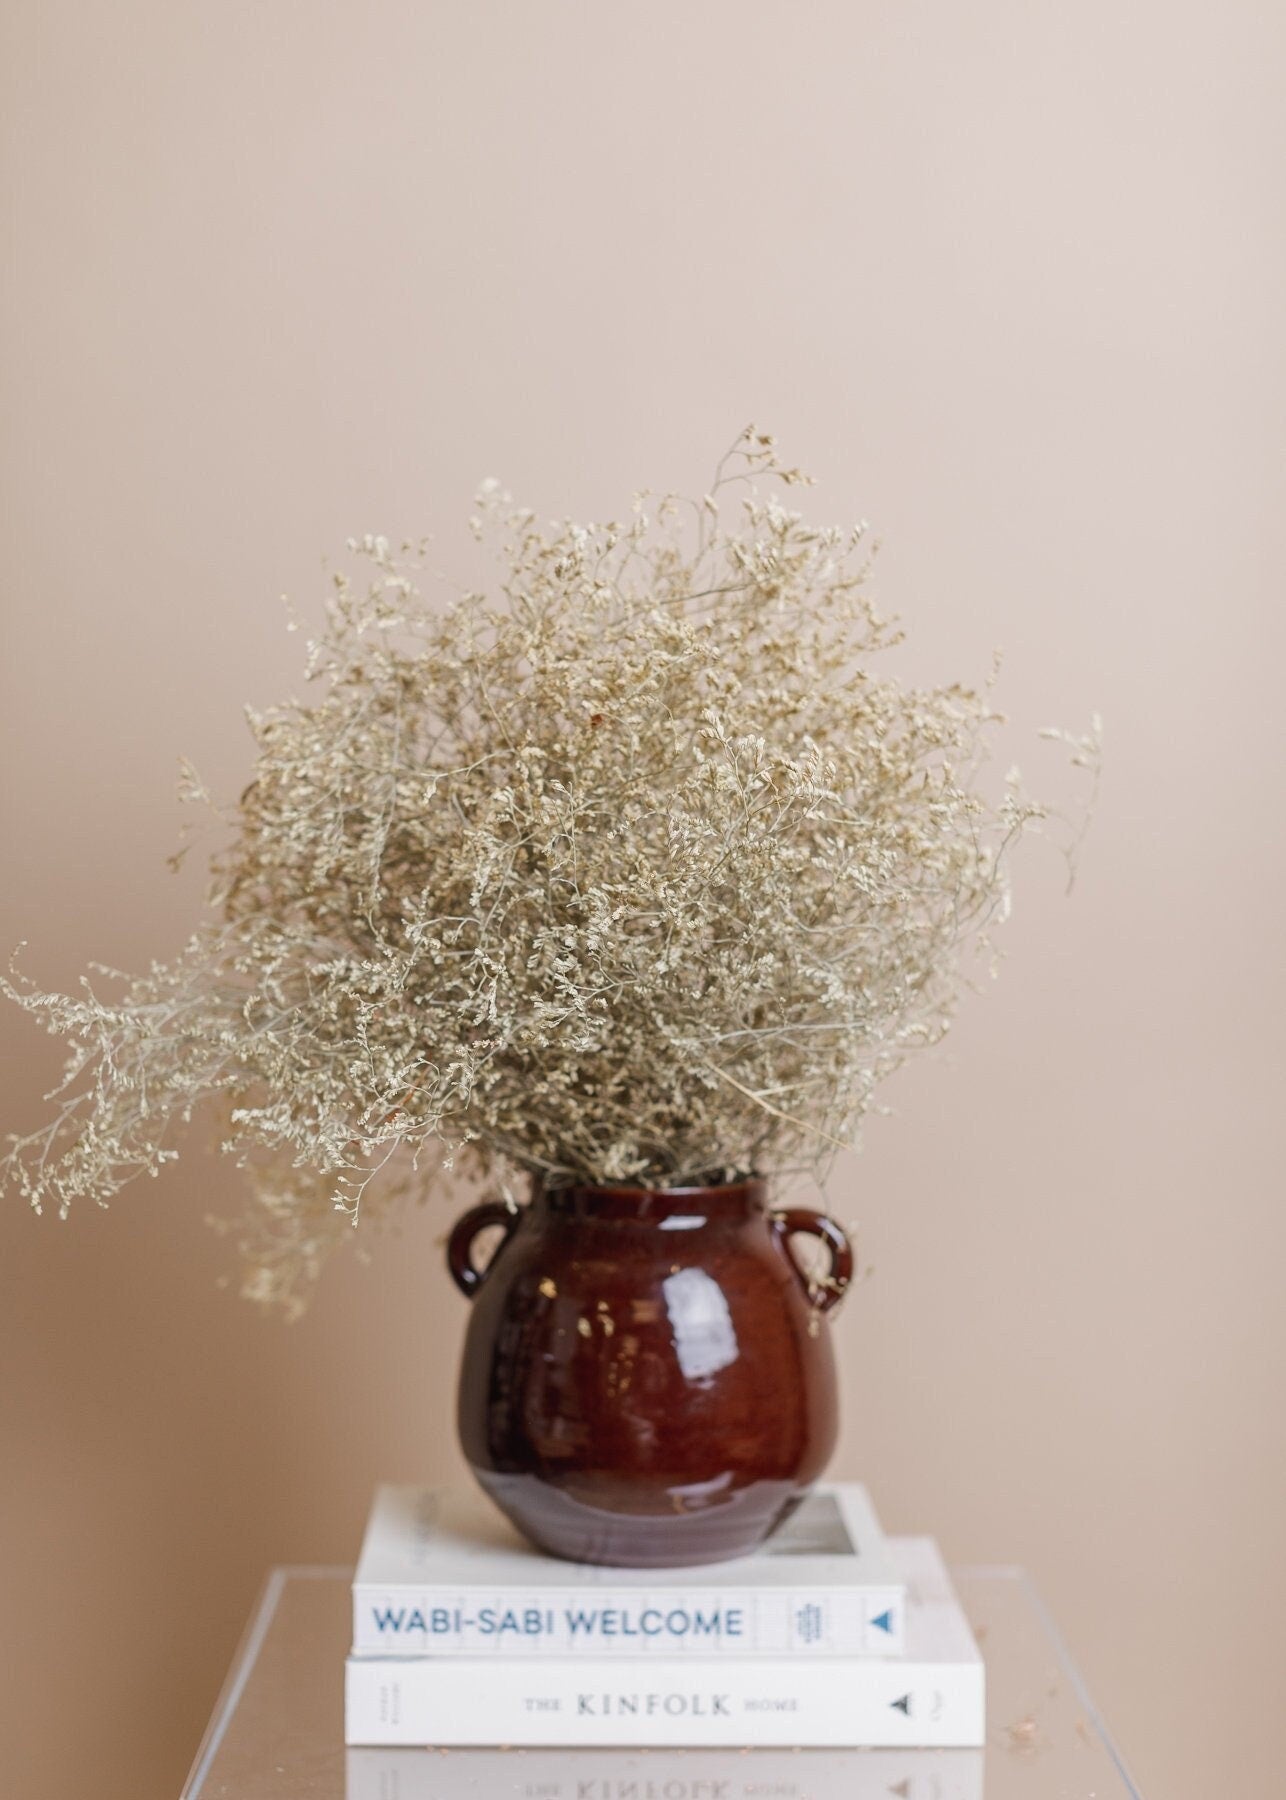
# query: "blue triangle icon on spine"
(884, 1620)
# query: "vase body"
(645, 1381)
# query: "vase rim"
(630, 1200)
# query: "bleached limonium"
(635, 871)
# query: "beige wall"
(1009, 279)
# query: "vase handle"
(830, 1290)
(467, 1276)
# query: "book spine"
(833, 1703)
(417, 1621)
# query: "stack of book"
(831, 1635)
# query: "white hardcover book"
(443, 1574)
(664, 1775)
(934, 1698)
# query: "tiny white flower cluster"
(637, 872)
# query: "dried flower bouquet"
(638, 872)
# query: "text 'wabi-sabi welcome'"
(720, 1622)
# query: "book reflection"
(664, 1775)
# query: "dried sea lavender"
(636, 870)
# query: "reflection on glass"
(664, 1775)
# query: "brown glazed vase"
(644, 1380)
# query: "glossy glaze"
(645, 1378)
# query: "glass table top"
(278, 1728)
